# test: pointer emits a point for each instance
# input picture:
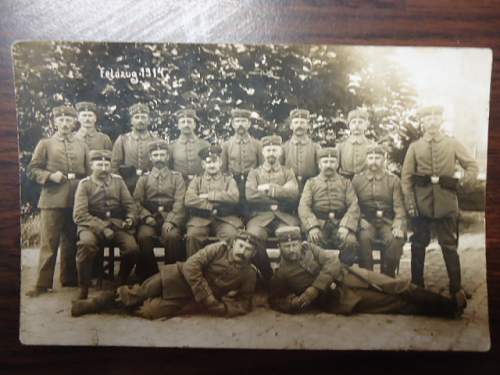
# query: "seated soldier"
(307, 276)
(383, 215)
(211, 200)
(329, 209)
(219, 278)
(272, 192)
(105, 214)
(160, 198)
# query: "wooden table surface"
(460, 23)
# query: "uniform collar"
(99, 182)
(378, 176)
(141, 136)
(155, 172)
(269, 168)
(242, 139)
(86, 133)
(183, 139)
(333, 178)
(357, 139)
(216, 177)
(302, 141)
(436, 138)
(68, 138)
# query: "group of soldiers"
(142, 190)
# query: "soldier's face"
(432, 123)
(375, 162)
(87, 119)
(299, 126)
(271, 153)
(159, 158)
(100, 168)
(292, 250)
(358, 126)
(186, 125)
(328, 166)
(65, 124)
(240, 124)
(330, 135)
(212, 166)
(242, 251)
(140, 121)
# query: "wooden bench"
(109, 255)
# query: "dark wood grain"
(384, 22)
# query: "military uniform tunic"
(184, 155)
(352, 155)
(216, 215)
(302, 156)
(435, 156)
(69, 156)
(160, 194)
(94, 139)
(209, 272)
(382, 209)
(100, 205)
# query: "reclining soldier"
(212, 200)
(329, 210)
(105, 214)
(308, 277)
(160, 198)
(383, 214)
(218, 279)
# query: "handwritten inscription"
(134, 76)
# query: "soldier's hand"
(167, 227)
(397, 233)
(264, 188)
(128, 223)
(151, 221)
(108, 233)
(412, 212)
(210, 300)
(57, 177)
(342, 233)
(203, 196)
(308, 296)
(315, 235)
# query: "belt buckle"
(214, 212)
(380, 213)
(331, 215)
(138, 172)
(242, 178)
(435, 179)
(274, 207)
(71, 176)
(161, 208)
(108, 214)
(190, 176)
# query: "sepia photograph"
(323, 197)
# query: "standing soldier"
(329, 209)
(160, 196)
(352, 152)
(104, 212)
(184, 151)
(300, 153)
(241, 153)
(87, 117)
(430, 193)
(211, 199)
(307, 276)
(272, 193)
(383, 215)
(58, 163)
(130, 151)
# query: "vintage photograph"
(253, 196)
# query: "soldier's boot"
(126, 266)
(417, 265)
(389, 267)
(36, 291)
(130, 295)
(83, 293)
(94, 305)
(432, 304)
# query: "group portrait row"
(141, 191)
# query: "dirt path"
(47, 320)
